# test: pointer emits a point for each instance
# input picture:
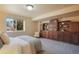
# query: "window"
(15, 25)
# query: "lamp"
(29, 7)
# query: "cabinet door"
(74, 27)
(75, 38)
(43, 34)
(53, 35)
(67, 37)
(50, 35)
(46, 34)
(60, 36)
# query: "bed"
(11, 49)
(35, 43)
(25, 46)
(28, 44)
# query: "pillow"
(4, 38)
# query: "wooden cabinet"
(67, 26)
(44, 34)
(65, 31)
(74, 26)
(67, 37)
(53, 35)
(53, 25)
(49, 29)
(64, 36)
(50, 34)
(60, 36)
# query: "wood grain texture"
(70, 33)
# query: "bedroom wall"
(2, 21)
(30, 26)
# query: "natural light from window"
(14, 25)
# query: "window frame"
(16, 26)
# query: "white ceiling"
(38, 9)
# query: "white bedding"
(34, 42)
(11, 49)
(22, 44)
(25, 46)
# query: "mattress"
(34, 42)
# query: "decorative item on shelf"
(45, 26)
(62, 23)
(36, 34)
(62, 30)
(63, 26)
